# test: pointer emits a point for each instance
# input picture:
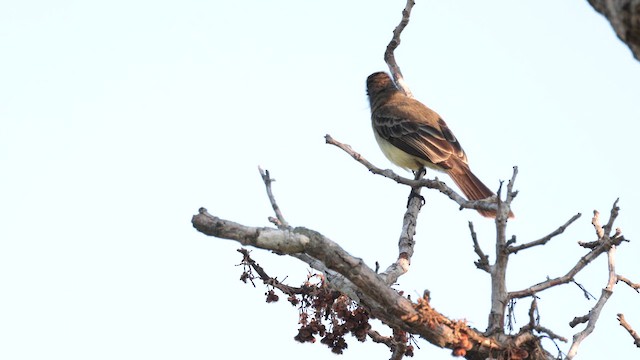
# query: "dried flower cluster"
(329, 315)
(324, 313)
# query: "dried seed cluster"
(330, 316)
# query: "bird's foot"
(414, 194)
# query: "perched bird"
(413, 136)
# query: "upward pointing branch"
(389, 56)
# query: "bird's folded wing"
(434, 143)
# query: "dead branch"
(279, 220)
(406, 241)
(595, 221)
(396, 343)
(579, 320)
(483, 260)
(384, 303)
(389, 56)
(254, 266)
(594, 313)
(634, 286)
(627, 326)
(498, 270)
(534, 324)
(568, 277)
(544, 240)
(614, 214)
(485, 204)
(511, 194)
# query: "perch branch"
(627, 326)
(544, 240)
(389, 56)
(485, 204)
(406, 241)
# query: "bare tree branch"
(384, 303)
(511, 194)
(254, 266)
(602, 245)
(534, 324)
(634, 286)
(594, 314)
(614, 214)
(483, 260)
(279, 221)
(579, 320)
(627, 326)
(595, 221)
(485, 204)
(406, 241)
(389, 56)
(544, 240)
(606, 243)
(498, 271)
(568, 277)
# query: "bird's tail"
(473, 188)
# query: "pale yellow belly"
(401, 158)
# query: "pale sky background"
(121, 118)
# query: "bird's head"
(378, 82)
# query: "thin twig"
(279, 221)
(544, 240)
(634, 286)
(627, 326)
(568, 277)
(595, 221)
(389, 56)
(602, 245)
(614, 214)
(534, 323)
(585, 292)
(506, 210)
(483, 260)
(248, 261)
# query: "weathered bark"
(624, 16)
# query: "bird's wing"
(419, 133)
